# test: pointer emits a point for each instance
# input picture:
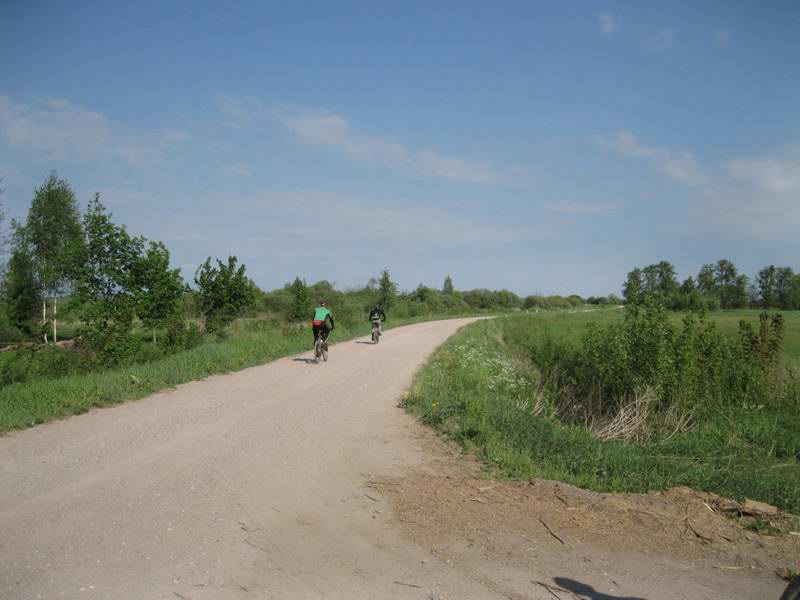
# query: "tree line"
(295, 299)
(117, 285)
(111, 277)
(717, 285)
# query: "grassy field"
(572, 325)
(252, 342)
(483, 390)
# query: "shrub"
(111, 344)
(223, 293)
(178, 336)
(643, 361)
(38, 362)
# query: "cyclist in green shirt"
(322, 314)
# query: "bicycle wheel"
(317, 350)
(793, 591)
(375, 335)
(324, 351)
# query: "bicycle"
(376, 331)
(321, 348)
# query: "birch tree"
(52, 234)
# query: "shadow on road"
(368, 343)
(308, 361)
(581, 590)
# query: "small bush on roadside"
(111, 344)
(179, 335)
(38, 362)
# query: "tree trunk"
(154, 335)
(55, 312)
(44, 317)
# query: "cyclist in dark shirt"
(376, 315)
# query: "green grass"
(252, 343)
(480, 390)
(572, 325)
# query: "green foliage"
(52, 233)
(51, 237)
(694, 369)
(486, 299)
(31, 363)
(178, 335)
(447, 287)
(538, 302)
(223, 293)
(351, 306)
(23, 295)
(387, 290)
(717, 286)
(778, 287)
(158, 290)
(487, 389)
(107, 286)
(300, 304)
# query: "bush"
(111, 344)
(690, 372)
(223, 293)
(178, 336)
(481, 389)
(38, 362)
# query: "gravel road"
(266, 483)
(246, 485)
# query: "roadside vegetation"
(92, 314)
(631, 402)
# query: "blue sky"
(539, 147)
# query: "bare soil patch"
(465, 517)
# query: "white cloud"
(308, 219)
(755, 198)
(723, 38)
(587, 208)
(56, 129)
(775, 175)
(333, 131)
(608, 24)
(680, 166)
(749, 214)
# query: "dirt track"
(293, 481)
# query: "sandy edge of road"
(300, 480)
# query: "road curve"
(246, 485)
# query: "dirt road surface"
(301, 481)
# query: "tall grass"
(251, 342)
(487, 389)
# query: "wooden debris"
(550, 531)
(413, 585)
